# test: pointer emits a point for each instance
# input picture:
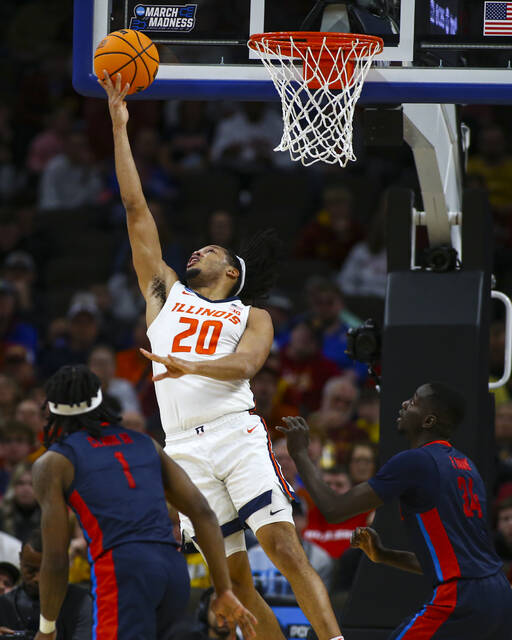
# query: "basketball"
(130, 53)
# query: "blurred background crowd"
(68, 292)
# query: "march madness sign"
(170, 18)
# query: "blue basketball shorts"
(461, 609)
(139, 591)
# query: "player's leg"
(281, 544)
(196, 455)
(263, 500)
(173, 602)
(243, 586)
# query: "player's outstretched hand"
(175, 367)
(229, 610)
(297, 434)
(368, 540)
(116, 98)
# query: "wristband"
(46, 626)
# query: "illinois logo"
(170, 17)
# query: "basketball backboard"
(454, 51)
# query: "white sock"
(338, 638)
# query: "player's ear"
(430, 421)
(232, 272)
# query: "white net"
(317, 121)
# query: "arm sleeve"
(407, 472)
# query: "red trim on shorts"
(442, 544)
(435, 614)
(106, 598)
(277, 468)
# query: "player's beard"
(191, 274)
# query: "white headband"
(242, 275)
(77, 408)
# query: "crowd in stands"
(68, 292)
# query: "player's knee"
(285, 552)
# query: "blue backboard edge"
(85, 83)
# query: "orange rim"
(281, 41)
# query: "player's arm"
(50, 475)
(187, 498)
(334, 507)
(368, 540)
(142, 231)
(244, 363)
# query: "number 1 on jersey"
(126, 469)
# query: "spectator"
(362, 462)
(10, 548)
(279, 307)
(19, 270)
(333, 232)
(19, 609)
(74, 348)
(19, 511)
(127, 301)
(19, 441)
(334, 538)
(10, 395)
(19, 365)
(335, 418)
(328, 315)
(13, 330)
(364, 273)
(304, 369)
(220, 230)
(368, 413)
(206, 625)
(12, 179)
(9, 576)
(503, 539)
(244, 141)
(134, 420)
(51, 141)
(102, 362)
(70, 180)
(29, 413)
(264, 387)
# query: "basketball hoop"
(318, 97)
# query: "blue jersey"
(443, 505)
(117, 491)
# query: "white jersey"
(192, 327)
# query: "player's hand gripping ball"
(130, 53)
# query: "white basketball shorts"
(231, 462)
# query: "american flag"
(498, 19)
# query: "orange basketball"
(130, 53)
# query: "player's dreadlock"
(261, 253)
(73, 384)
